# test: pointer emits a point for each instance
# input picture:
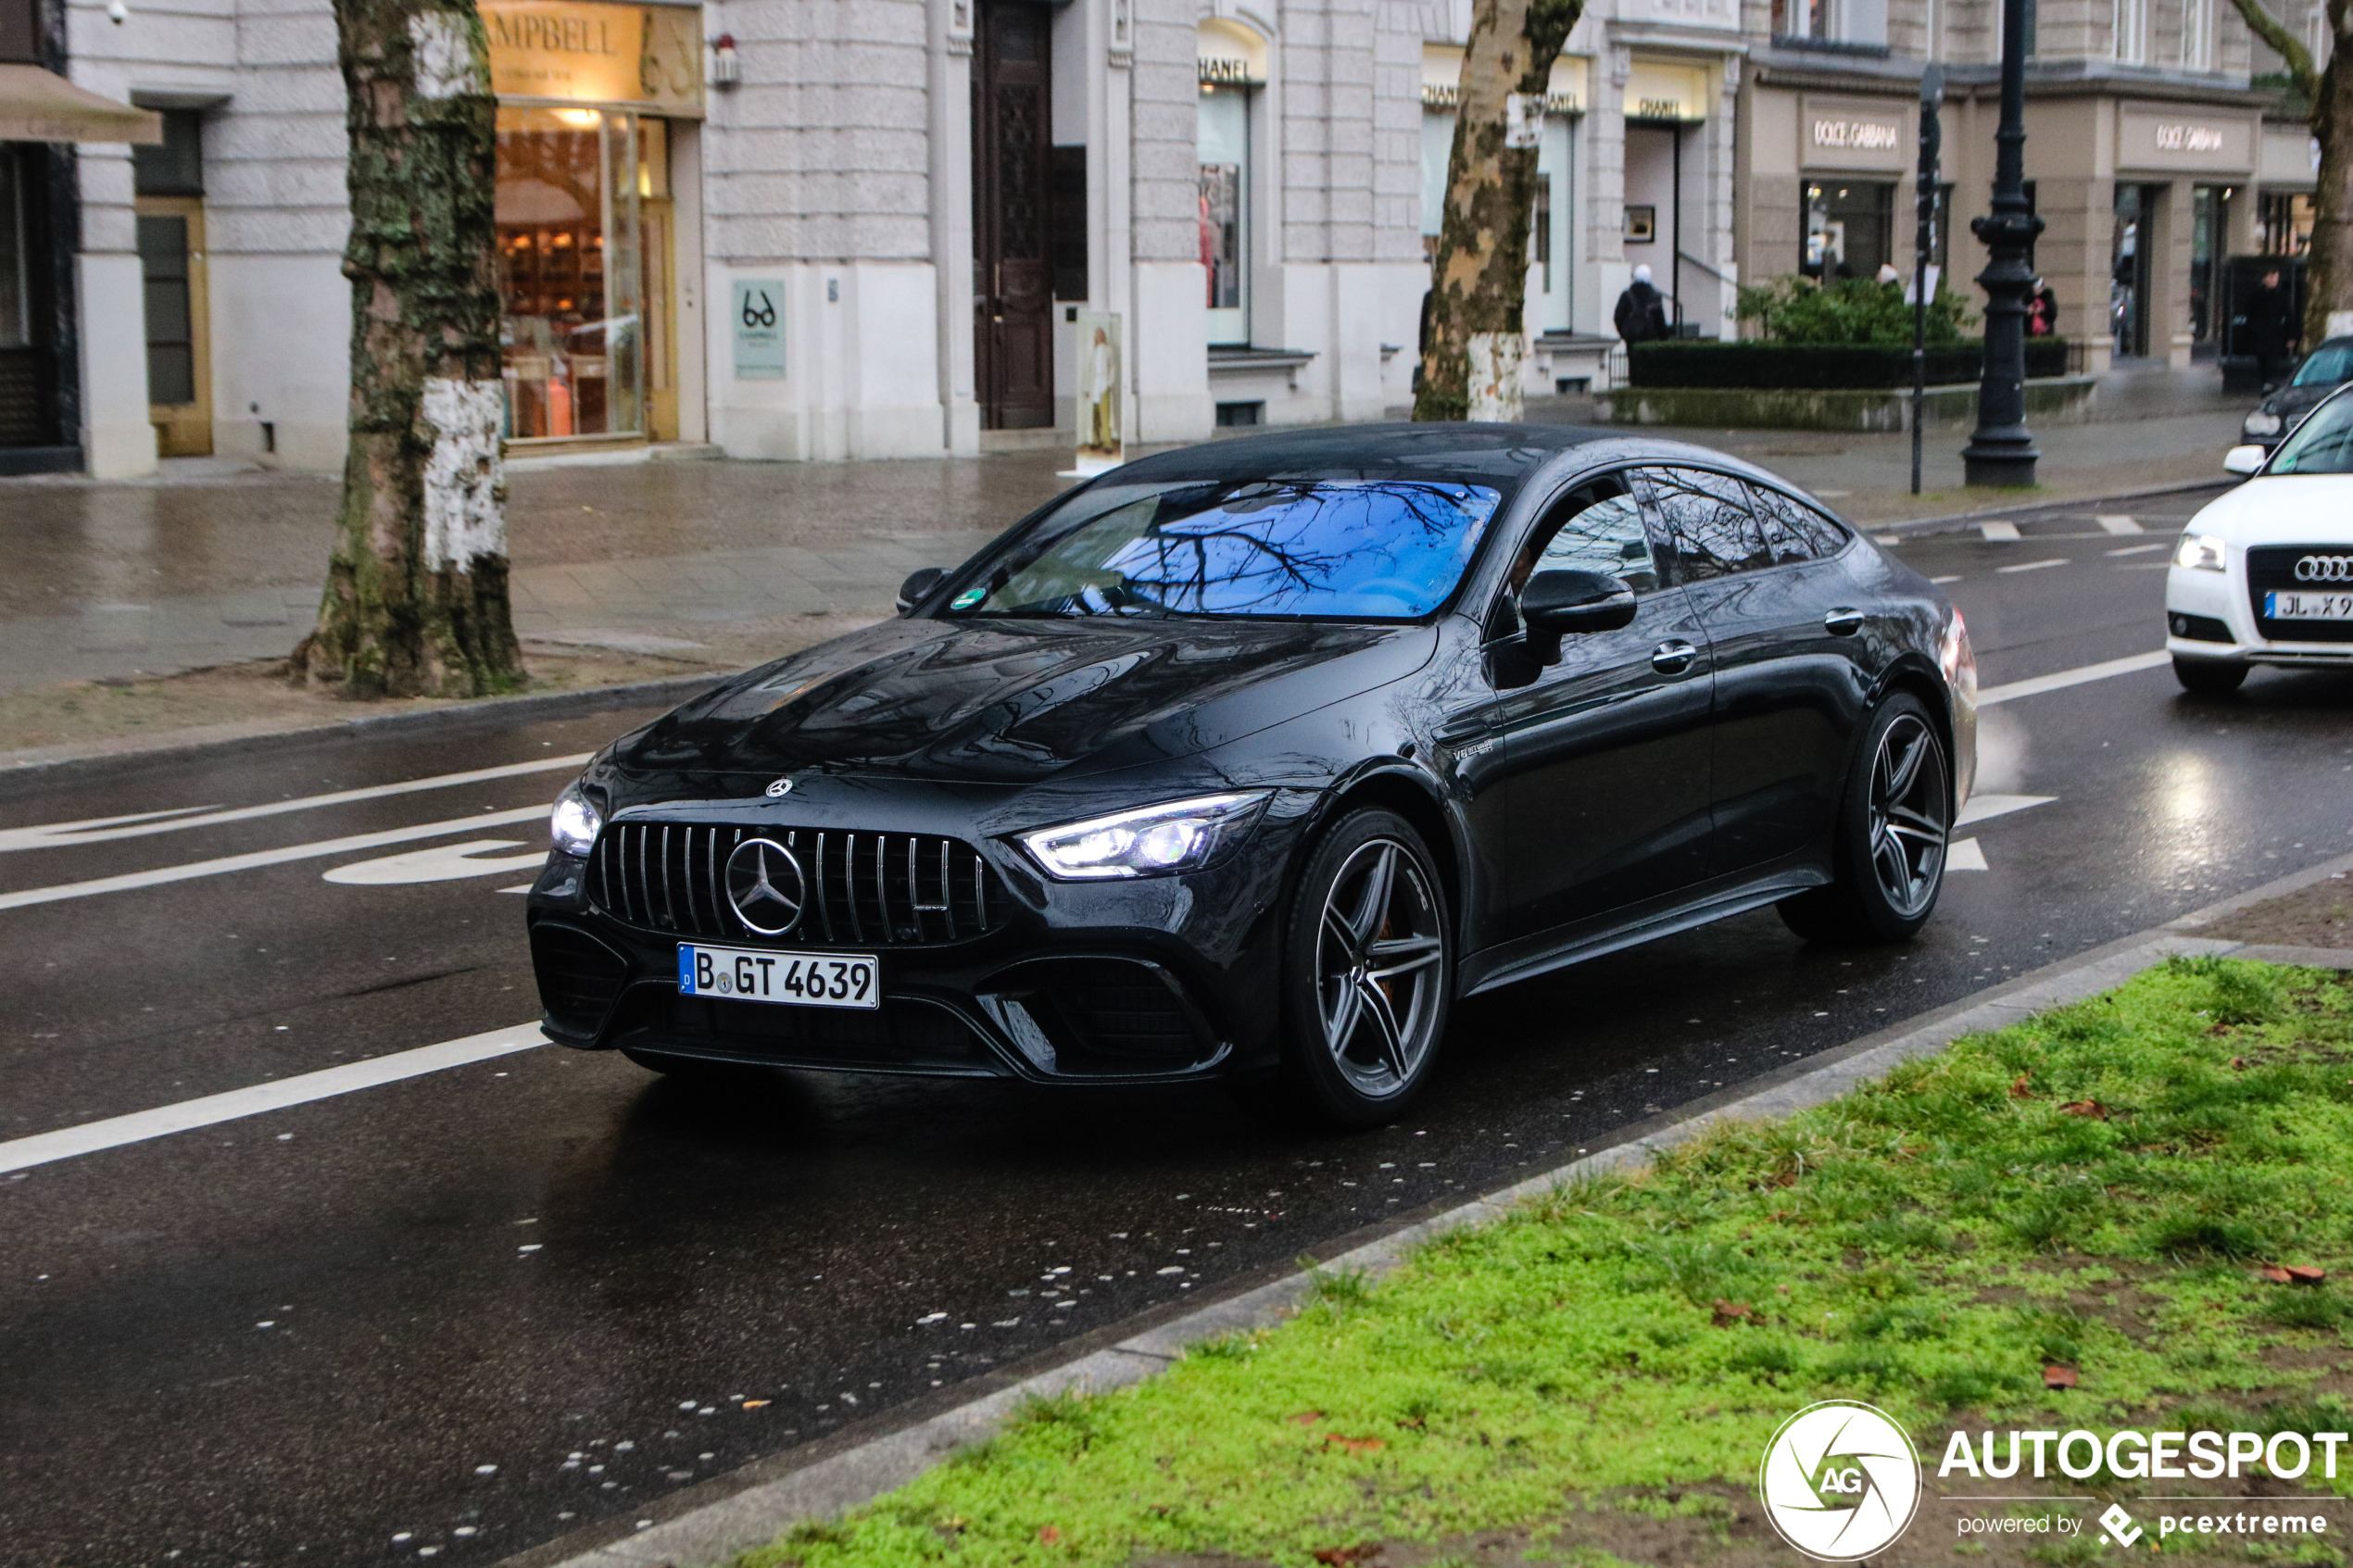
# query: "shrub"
(1855, 311)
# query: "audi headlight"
(2201, 552)
(1183, 835)
(574, 821)
(2260, 422)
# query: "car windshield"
(2329, 364)
(1343, 549)
(2322, 443)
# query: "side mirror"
(2244, 460)
(1558, 602)
(918, 587)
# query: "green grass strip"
(2092, 1188)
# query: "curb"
(490, 711)
(731, 1514)
(1953, 522)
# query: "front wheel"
(1892, 825)
(2209, 677)
(1369, 971)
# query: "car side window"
(1706, 524)
(1606, 536)
(1794, 531)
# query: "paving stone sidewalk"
(714, 563)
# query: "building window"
(20, 32)
(1849, 229)
(1224, 130)
(2283, 224)
(1831, 22)
(2197, 34)
(571, 271)
(2132, 32)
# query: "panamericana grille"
(2272, 567)
(862, 889)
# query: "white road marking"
(519, 888)
(1941, 580)
(1983, 807)
(2034, 565)
(442, 862)
(2116, 524)
(1963, 855)
(1998, 532)
(2140, 549)
(259, 858)
(212, 1110)
(2037, 686)
(98, 830)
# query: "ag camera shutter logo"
(1840, 1481)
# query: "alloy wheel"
(1908, 824)
(1380, 961)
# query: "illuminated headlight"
(1180, 837)
(2262, 423)
(1957, 659)
(573, 823)
(2201, 552)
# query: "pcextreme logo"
(1840, 1481)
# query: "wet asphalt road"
(484, 1307)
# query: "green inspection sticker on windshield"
(969, 597)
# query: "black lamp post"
(2002, 451)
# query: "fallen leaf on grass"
(2238, 1064)
(1418, 1424)
(2019, 1090)
(2304, 1274)
(2058, 1377)
(1354, 1445)
(2275, 1274)
(1305, 1418)
(1341, 1556)
(1730, 1312)
(1050, 1534)
(2089, 1107)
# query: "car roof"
(1499, 455)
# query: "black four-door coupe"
(1257, 755)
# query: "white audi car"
(2264, 574)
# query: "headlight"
(2262, 423)
(1180, 837)
(573, 823)
(1958, 659)
(2202, 552)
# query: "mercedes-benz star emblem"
(765, 886)
(782, 786)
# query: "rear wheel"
(2209, 677)
(1369, 971)
(1892, 826)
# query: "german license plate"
(2307, 607)
(752, 974)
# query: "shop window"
(1224, 130)
(2283, 224)
(20, 32)
(571, 272)
(1849, 229)
(16, 256)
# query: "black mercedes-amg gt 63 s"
(1252, 758)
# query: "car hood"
(1019, 701)
(2289, 509)
(2292, 403)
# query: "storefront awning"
(40, 106)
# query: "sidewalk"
(109, 593)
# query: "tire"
(2209, 677)
(1889, 843)
(1369, 971)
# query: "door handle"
(1673, 657)
(1843, 622)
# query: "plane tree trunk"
(1474, 339)
(2328, 90)
(416, 598)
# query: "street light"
(2002, 451)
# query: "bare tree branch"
(2272, 30)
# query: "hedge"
(1820, 366)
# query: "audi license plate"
(2307, 607)
(808, 980)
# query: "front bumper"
(2209, 616)
(1141, 980)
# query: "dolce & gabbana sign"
(2184, 139)
(1841, 134)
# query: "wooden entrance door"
(171, 264)
(1012, 243)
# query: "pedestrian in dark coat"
(1642, 311)
(2268, 329)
